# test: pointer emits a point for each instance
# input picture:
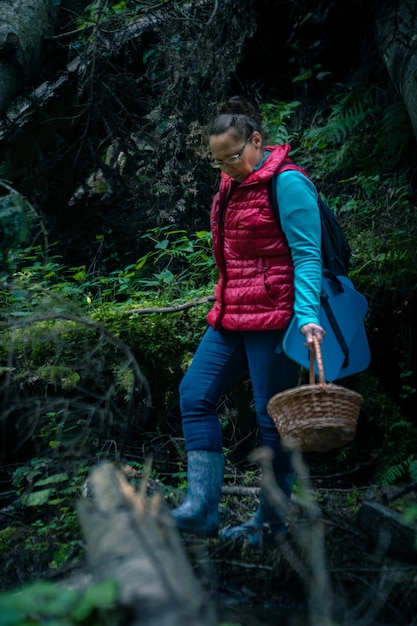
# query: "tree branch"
(172, 309)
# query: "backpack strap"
(286, 165)
(324, 299)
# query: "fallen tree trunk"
(396, 36)
(23, 26)
(388, 530)
(133, 539)
(77, 70)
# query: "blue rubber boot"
(199, 513)
(268, 522)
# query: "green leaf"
(52, 480)
(119, 8)
(141, 262)
(40, 598)
(306, 76)
(37, 498)
(162, 245)
(102, 596)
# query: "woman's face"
(244, 154)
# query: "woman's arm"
(300, 222)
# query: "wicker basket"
(316, 417)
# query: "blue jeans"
(222, 359)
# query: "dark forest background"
(107, 271)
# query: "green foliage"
(275, 116)
(395, 133)
(182, 263)
(398, 472)
(73, 340)
(362, 130)
(47, 498)
(378, 216)
(98, 11)
(84, 364)
(120, 7)
(353, 499)
(347, 115)
(89, 382)
(47, 492)
(177, 265)
(391, 437)
(45, 603)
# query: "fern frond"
(346, 116)
(396, 131)
(395, 472)
(403, 423)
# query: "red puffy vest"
(255, 290)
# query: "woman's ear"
(257, 139)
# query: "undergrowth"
(91, 361)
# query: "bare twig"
(172, 309)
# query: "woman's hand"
(308, 330)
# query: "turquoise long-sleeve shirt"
(300, 221)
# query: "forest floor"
(346, 552)
(333, 555)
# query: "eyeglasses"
(217, 163)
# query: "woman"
(268, 272)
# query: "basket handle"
(316, 353)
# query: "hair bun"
(238, 105)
